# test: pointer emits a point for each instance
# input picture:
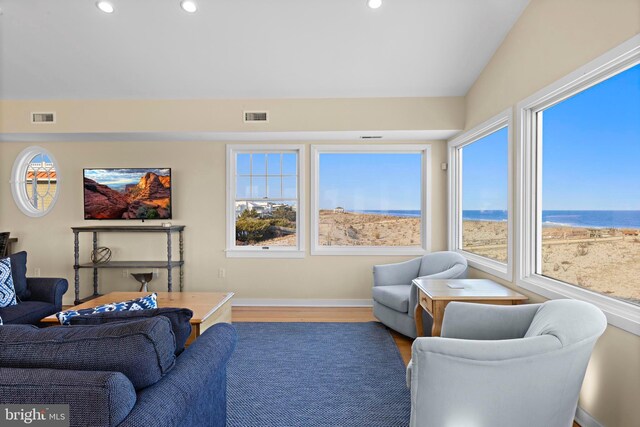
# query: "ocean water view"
(401, 213)
(566, 218)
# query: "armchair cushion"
(487, 322)
(142, 350)
(28, 312)
(395, 297)
(19, 274)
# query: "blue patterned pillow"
(143, 303)
(7, 291)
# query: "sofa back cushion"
(179, 318)
(142, 350)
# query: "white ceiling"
(52, 49)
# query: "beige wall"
(198, 172)
(285, 115)
(551, 39)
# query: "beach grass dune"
(359, 229)
(603, 260)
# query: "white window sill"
(620, 314)
(495, 268)
(264, 253)
(364, 251)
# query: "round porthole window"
(35, 181)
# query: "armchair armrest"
(47, 289)
(401, 273)
(487, 322)
(456, 272)
(94, 398)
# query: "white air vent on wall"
(43, 118)
(256, 117)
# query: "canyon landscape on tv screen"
(127, 193)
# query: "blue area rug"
(316, 374)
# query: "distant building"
(339, 209)
(41, 184)
(261, 208)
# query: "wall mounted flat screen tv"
(143, 193)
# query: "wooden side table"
(434, 295)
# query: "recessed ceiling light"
(374, 4)
(189, 6)
(105, 6)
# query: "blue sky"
(485, 173)
(591, 153)
(117, 179)
(370, 181)
(592, 148)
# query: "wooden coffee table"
(434, 295)
(208, 308)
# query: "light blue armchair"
(504, 366)
(394, 297)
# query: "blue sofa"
(121, 374)
(45, 300)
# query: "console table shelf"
(169, 264)
(133, 264)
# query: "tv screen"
(127, 193)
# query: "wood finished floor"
(319, 314)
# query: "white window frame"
(234, 251)
(17, 181)
(454, 191)
(425, 204)
(619, 313)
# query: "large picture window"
(370, 200)
(581, 187)
(479, 211)
(264, 201)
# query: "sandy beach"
(602, 260)
(356, 229)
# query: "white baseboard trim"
(585, 419)
(295, 302)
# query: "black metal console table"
(169, 264)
